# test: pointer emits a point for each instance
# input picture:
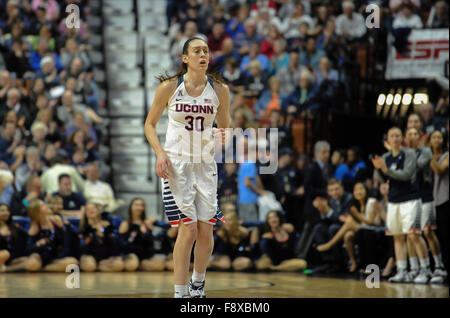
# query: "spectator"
(41, 52)
(73, 202)
(68, 107)
(438, 17)
(270, 100)
(50, 178)
(7, 185)
(216, 39)
(303, 101)
(39, 133)
(98, 243)
(256, 82)
(426, 112)
(72, 50)
(338, 159)
(15, 102)
(352, 223)
(51, 8)
(415, 121)
(331, 210)
(289, 76)
(243, 41)
(407, 19)
(254, 55)
(235, 27)
(228, 185)
(231, 246)
(291, 27)
(98, 191)
(350, 24)
(227, 52)
(298, 43)
(311, 56)
(33, 166)
(277, 244)
(16, 58)
(268, 44)
(136, 240)
(31, 190)
(48, 72)
(79, 140)
(249, 187)
(281, 59)
(325, 72)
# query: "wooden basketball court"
(219, 285)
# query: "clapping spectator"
(31, 190)
(32, 166)
(256, 82)
(350, 24)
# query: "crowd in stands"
(282, 60)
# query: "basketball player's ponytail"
(183, 68)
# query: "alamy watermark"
(73, 19)
(373, 279)
(73, 279)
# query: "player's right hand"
(163, 166)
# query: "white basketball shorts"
(428, 216)
(190, 193)
(403, 218)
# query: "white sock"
(198, 277)
(401, 265)
(425, 263)
(181, 290)
(414, 263)
(438, 261)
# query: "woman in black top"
(98, 244)
(46, 244)
(136, 240)
(278, 245)
(12, 241)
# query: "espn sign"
(424, 50)
(427, 55)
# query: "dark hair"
(355, 202)
(183, 69)
(63, 175)
(130, 216)
(266, 224)
(444, 140)
(9, 222)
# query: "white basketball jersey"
(189, 130)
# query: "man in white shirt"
(98, 191)
(50, 183)
(350, 24)
(407, 19)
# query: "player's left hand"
(219, 133)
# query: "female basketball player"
(136, 238)
(399, 167)
(194, 98)
(427, 220)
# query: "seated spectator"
(331, 210)
(415, 121)
(79, 140)
(441, 110)
(190, 30)
(99, 191)
(7, 143)
(289, 76)
(243, 41)
(268, 44)
(80, 124)
(16, 58)
(228, 185)
(285, 138)
(226, 52)
(256, 82)
(98, 243)
(73, 202)
(320, 20)
(280, 59)
(46, 244)
(32, 166)
(15, 102)
(43, 19)
(304, 98)
(72, 50)
(278, 245)
(68, 107)
(438, 17)
(254, 55)
(235, 25)
(298, 43)
(407, 19)
(39, 133)
(231, 246)
(31, 190)
(233, 76)
(426, 112)
(269, 100)
(352, 223)
(78, 159)
(311, 56)
(338, 159)
(12, 241)
(20, 132)
(325, 72)
(41, 52)
(354, 169)
(215, 39)
(5, 85)
(350, 24)
(291, 26)
(50, 178)
(48, 72)
(136, 240)
(7, 185)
